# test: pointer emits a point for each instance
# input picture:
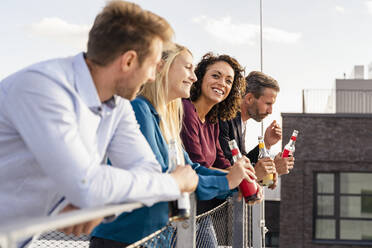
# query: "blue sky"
(307, 44)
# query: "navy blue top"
(133, 226)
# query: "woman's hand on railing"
(242, 169)
(82, 228)
(186, 178)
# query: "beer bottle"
(263, 153)
(178, 209)
(289, 148)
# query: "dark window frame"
(336, 211)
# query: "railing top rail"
(147, 238)
(22, 229)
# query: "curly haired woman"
(215, 94)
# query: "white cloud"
(340, 9)
(224, 30)
(60, 31)
(280, 36)
(369, 6)
(227, 31)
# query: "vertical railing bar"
(238, 224)
(186, 230)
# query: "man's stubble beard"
(254, 114)
(124, 92)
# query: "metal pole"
(262, 207)
(303, 101)
(261, 50)
(256, 223)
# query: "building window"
(343, 207)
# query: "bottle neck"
(263, 153)
(261, 145)
(291, 145)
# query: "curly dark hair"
(228, 108)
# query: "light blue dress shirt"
(54, 136)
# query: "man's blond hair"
(124, 26)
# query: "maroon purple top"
(201, 139)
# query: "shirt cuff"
(223, 184)
(110, 218)
(174, 190)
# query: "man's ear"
(249, 98)
(128, 60)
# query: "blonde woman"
(159, 113)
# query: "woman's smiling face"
(217, 82)
(181, 76)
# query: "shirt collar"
(85, 85)
(111, 103)
(244, 123)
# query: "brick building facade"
(329, 146)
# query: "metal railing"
(229, 223)
(336, 101)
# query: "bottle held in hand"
(180, 209)
(263, 153)
(289, 148)
(249, 190)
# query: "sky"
(306, 44)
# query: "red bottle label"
(235, 152)
(248, 189)
(285, 153)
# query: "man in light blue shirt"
(59, 120)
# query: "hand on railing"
(186, 178)
(81, 228)
(242, 169)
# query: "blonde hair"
(171, 113)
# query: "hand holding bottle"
(259, 197)
(283, 165)
(242, 169)
(264, 167)
(263, 153)
(186, 178)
